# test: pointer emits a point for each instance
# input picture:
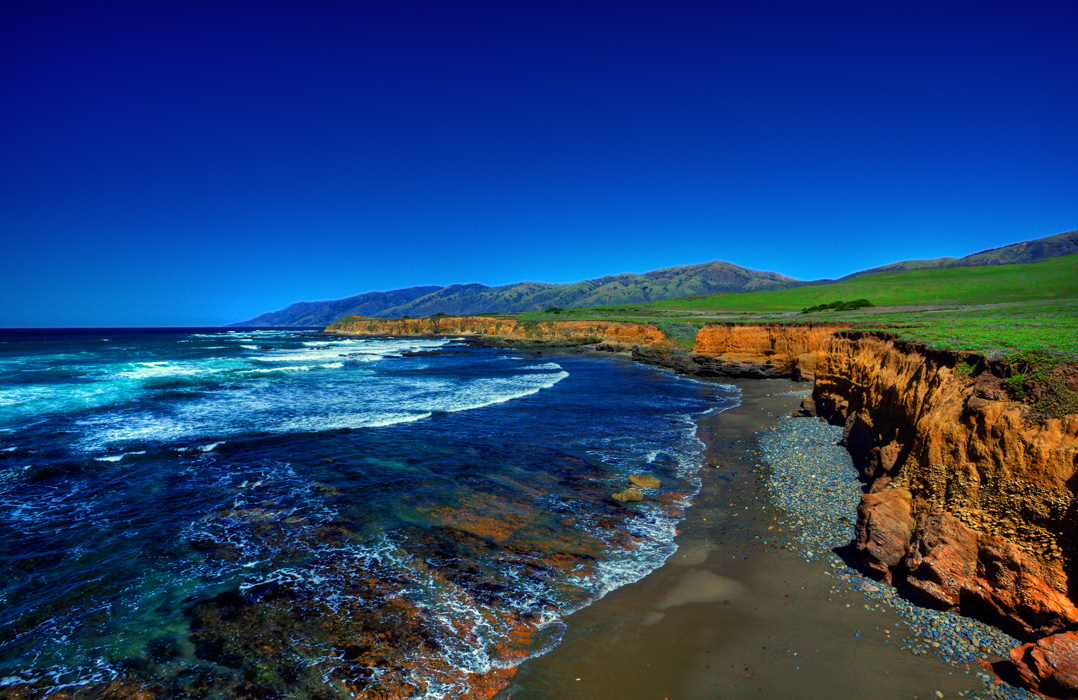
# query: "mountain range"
(670, 283)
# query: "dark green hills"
(466, 299)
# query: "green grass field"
(989, 330)
(997, 310)
(1056, 278)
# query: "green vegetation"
(1056, 278)
(554, 310)
(438, 315)
(682, 333)
(963, 370)
(1037, 378)
(839, 306)
(993, 331)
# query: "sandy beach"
(728, 616)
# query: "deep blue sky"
(202, 162)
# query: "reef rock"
(629, 496)
(644, 481)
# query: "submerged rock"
(644, 481)
(629, 495)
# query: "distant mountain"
(1026, 252)
(464, 299)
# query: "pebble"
(812, 478)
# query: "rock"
(629, 495)
(941, 560)
(644, 481)
(883, 530)
(1049, 665)
(1017, 592)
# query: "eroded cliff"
(613, 335)
(792, 349)
(971, 504)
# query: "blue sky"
(183, 163)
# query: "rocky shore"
(967, 496)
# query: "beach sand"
(730, 617)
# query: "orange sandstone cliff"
(971, 504)
(791, 349)
(613, 335)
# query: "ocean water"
(224, 513)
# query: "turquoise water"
(226, 513)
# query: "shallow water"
(266, 513)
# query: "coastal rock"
(883, 530)
(705, 365)
(1016, 592)
(1049, 665)
(941, 560)
(629, 496)
(644, 481)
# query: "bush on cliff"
(839, 306)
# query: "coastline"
(728, 616)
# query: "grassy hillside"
(1056, 278)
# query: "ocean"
(227, 513)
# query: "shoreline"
(728, 616)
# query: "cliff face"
(792, 350)
(971, 502)
(614, 335)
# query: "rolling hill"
(466, 299)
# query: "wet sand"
(730, 617)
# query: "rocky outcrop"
(614, 335)
(777, 349)
(1049, 666)
(971, 499)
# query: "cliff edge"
(611, 335)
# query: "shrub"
(839, 306)
(553, 310)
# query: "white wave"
(315, 424)
(296, 368)
(332, 365)
(487, 392)
(212, 446)
(545, 365)
(249, 347)
(110, 458)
